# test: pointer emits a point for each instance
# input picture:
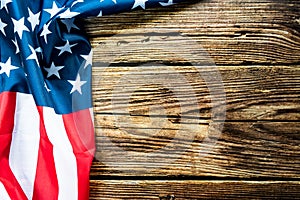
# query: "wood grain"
(248, 149)
(233, 32)
(250, 92)
(173, 132)
(182, 190)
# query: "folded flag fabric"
(46, 120)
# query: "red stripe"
(46, 184)
(80, 130)
(7, 115)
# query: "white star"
(169, 3)
(45, 85)
(66, 48)
(4, 4)
(33, 19)
(17, 46)
(53, 70)
(33, 55)
(139, 3)
(54, 10)
(7, 67)
(100, 14)
(115, 1)
(39, 50)
(69, 24)
(88, 59)
(68, 14)
(19, 26)
(77, 85)
(2, 26)
(46, 31)
(76, 2)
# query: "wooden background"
(255, 45)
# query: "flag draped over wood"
(46, 120)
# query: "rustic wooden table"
(255, 45)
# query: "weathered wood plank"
(244, 149)
(257, 44)
(171, 190)
(233, 32)
(252, 93)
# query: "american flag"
(46, 119)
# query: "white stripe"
(3, 193)
(64, 158)
(92, 115)
(24, 148)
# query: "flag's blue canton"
(44, 52)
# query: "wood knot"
(168, 197)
